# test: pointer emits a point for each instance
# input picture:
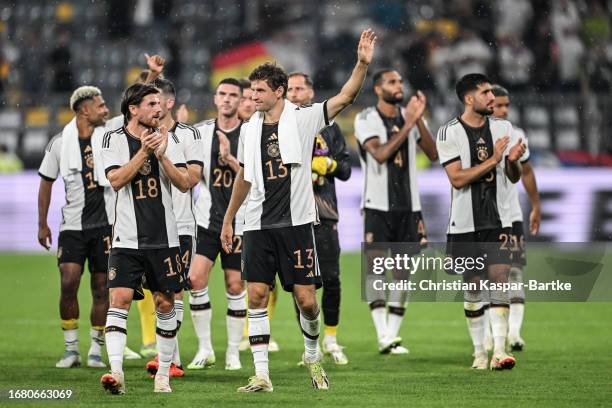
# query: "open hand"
(365, 49)
(415, 108)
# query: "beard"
(392, 98)
(484, 111)
(152, 124)
(99, 122)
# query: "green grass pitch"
(567, 361)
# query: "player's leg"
(487, 322)
(125, 270)
(376, 231)
(167, 327)
(465, 246)
(146, 311)
(300, 273)
(473, 307)
(70, 274)
(404, 227)
(201, 311)
(235, 292)
(99, 247)
(517, 298)
(207, 249)
(99, 308)
(259, 271)
(517, 310)
(187, 248)
(306, 300)
(498, 270)
(163, 276)
(272, 301)
(328, 253)
(116, 338)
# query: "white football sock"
(236, 316)
(379, 317)
(116, 337)
(395, 318)
(166, 336)
(176, 356)
(310, 330)
(515, 319)
(201, 315)
(97, 342)
(71, 340)
(499, 327)
(474, 316)
(487, 321)
(259, 337)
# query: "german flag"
(238, 62)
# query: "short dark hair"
(306, 77)
(499, 90)
(232, 81)
(165, 86)
(469, 83)
(134, 96)
(274, 76)
(377, 78)
(245, 83)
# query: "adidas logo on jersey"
(310, 275)
(273, 137)
(480, 141)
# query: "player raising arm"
(275, 150)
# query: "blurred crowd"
(528, 45)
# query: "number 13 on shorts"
(304, 258)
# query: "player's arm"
(48, 171)
(178, 176)
(194, 171)
(239, 194)
(119, 176)
(340, 155)
(383, 151)
(44, 201)
(193, 150)
(427, 141)
(351, 88)
(529, 182)
(513, 164)
(460, 177)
